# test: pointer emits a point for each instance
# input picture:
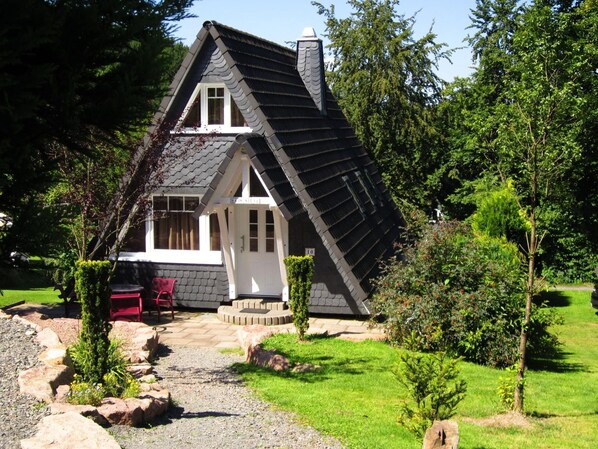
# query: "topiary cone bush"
(93, 290)
(300, 271)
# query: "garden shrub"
(300, 270)
(433, 386)
(459, 293)
(93, 290)
(498, 215)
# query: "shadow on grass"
(543, 415)
(556, 364)
(554, 299)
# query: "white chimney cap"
(308, 33)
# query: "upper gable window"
(211, 108)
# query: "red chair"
(161, 295)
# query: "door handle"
(242, 243)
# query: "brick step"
(259, 303)
(234, 315)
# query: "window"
(215, 105)
(349, 185)
(174, 225)
(212, 108)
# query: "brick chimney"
(310, 65)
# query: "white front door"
(257, 267)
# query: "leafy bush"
(458, 293)
(434, 388)
(300, 271)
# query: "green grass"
(29, 285)
(34, 296)
(354, 396)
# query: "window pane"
(253, 231)
(215, 106)
(160, 203)
(214, 233)
(191, 203)
(269, 232)
(175, 203)
(236, 118)
(193, 118)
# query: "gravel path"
(19, 414)
(215, 410)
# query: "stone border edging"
(49, 383)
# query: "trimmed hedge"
(93, 290)
(300, 271)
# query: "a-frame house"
(277, 171)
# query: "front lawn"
(354, 397)
(31, 285)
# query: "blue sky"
(282, 21)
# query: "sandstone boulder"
(268, 359)
(55, 355)
(88, 411)
(69, 431)
(48, 338)
(41, 382)
(118, 411)
(251, 336)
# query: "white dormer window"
(212, 109)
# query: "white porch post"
(280, 251)
(227, 250)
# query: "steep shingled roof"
(310, 162)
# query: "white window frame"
(225, 128)
(202, 257)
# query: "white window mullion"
(204, 233)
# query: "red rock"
(69, 431)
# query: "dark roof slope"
(310, 162)
(192, 161)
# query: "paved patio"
(203, 329)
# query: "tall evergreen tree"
(384, 79)
(75, 73)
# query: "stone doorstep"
(229, 314)
(259, 303)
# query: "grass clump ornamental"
(300, 271)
